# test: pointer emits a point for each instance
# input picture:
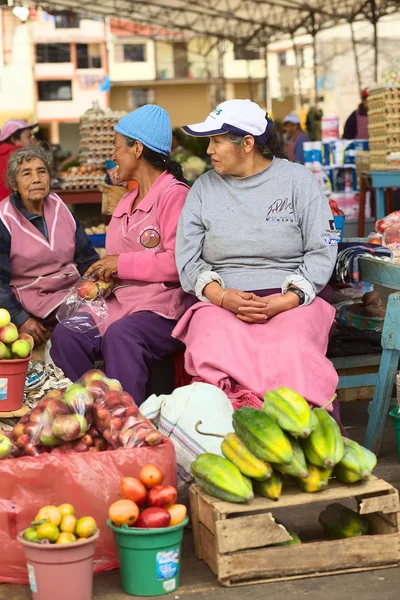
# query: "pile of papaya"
(285, 438)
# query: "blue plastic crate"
(98, 240)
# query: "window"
(50, 91)
(242, 53)
(134, 53)
(282, 59)
(53, 53)
(88, 56)
(65, 19)
(140, 96)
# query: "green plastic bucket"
(394, 413)
(149, 559)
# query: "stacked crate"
(96, 129)
(384, 126)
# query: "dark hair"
(16, 135)
(159, 161)
(272, 147)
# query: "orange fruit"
(66, 509)
(178, 513)
(123, 512)
(81, 539)
(66, 538)
(85, 527)
(68, 524)
(49, 513)
(133, 489)
(47, 531)
(151, 475)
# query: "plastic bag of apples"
(84, 307)
(94, 414)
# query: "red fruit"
(340, 213)
(22, 440)
(118, 411)
(124, 437)
(131, 422)
(88, 290)
(31, 450)
(115, 423)
(94, 449)
(32, 429)
(87, 440)
(36, 415)
(107, 435)
(151, 475)
(111, 398)
(24, 419)
(100, 444)
(57, 451)
(18, 430)
(93, 432)
(97, 388)
(102, 413)
(163, 496)
(126, 399)
(133, 489)
(333, 204)
(71, 451)
(132, 411)
(152, 518)
(80, 447)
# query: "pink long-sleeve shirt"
(145, 242)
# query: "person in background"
(14, 134)
(294, 138)
(356, 126)
(43, 249)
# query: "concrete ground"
(197, 581)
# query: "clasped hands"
(249, 307)
(104, 269)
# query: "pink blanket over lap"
(289, 350)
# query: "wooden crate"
(110, 196)
(235, 539)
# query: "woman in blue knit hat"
(147, 300)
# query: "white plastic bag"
(176, 415)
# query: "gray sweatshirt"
(259, 232)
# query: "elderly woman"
(257, 246)
(147, 298)
(44, 250)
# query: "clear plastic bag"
(391, 237)
(388, 221)
(94, 414)
(84, 308)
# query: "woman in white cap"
(256, 245)
(14, 134)
(147, 299)
(294, 138)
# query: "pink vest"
(141, 233)
(42, 271)
(362, 126)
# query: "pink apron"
(42, 271)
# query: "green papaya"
(340, 522)
(272, 488)
(316, 481)
(357, 463)
(298, 466)
(293, 542)
(290, 410)
(220, 478)
(234, 450)
(262, 436)
(324, 447)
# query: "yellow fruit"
(85, 527)
(234, 450)
(66, 538)
(68, 524)
(316, 480)
(49, 513)
(66, 509)
(48, 531)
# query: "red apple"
(36, 415)
(93, 375)
(132, 411)
(80, 447)
(97, 388)
(18, 430)
(163, 496)
(94, 449)
(152, 518)
(93, 432)
(126, 399)
(22, 440)
(125, 436)
(31, 450)
(118, 411)
(56, 408)
(115, 423)
(111, 398)
(154, 438)
(88, 290)
(100, 444)
(87, 440)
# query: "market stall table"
(381, 181)
(385, 274)
(80, 196)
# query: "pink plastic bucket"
(60, 572)
(12, 383)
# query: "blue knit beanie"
(149, 124)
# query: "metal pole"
(374, 21)
(298, 72)
(266, 84)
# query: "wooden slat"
(209, 549)
(292, 496)
(385, 504)
(384, 273)
(353, 394)
(206, 515)
(254, 531)
(355, 381)
(194, 511)
(365, 551)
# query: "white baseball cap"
(292, 119)
(241, 117)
